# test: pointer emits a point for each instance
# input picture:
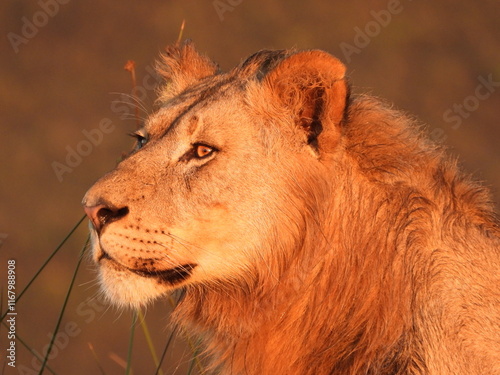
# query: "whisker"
(138, 102)
(93, 282)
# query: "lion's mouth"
(170, 276)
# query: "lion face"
(190, 204)
(207, 188)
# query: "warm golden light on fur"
(312, 232)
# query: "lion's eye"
(198, 151)
(141, 140)
(202, 151)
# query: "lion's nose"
(101, 215)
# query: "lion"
(309, 231)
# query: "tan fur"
(327, 234)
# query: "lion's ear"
(312, 85)
(182, 66)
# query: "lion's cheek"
(219, 245)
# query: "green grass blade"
(167, 345)
(128, 370)
(192, 346)
(147, 335)
(194, 361)
(65, 303)
(91, 347)
(46, 262)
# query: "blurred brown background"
(62, 67)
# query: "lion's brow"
(198, 94)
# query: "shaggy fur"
(324, 235)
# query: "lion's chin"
(126, 289)
(137, 288)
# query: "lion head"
(211, 181)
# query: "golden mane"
(318, 232)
